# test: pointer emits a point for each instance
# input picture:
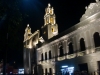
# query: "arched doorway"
(96, 39)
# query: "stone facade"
(77, 45)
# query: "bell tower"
(50, 27)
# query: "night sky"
(68, 13)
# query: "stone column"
(29, 61)
(39, 55)
(65, 42)
(44, 71)
(25, 64)
(54, 48)
(92, 41)
(63, 46)
(87, 40)
(47, 55)
(45, 21)
(77, 43)
(53, 51)
(49, 18)
(47, 70)
(53, 70)
(58, 49)
(54, 20)
(74, 43)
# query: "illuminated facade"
(78, 47)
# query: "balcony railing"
(61, 58)
(70, 56)
(48, 61)
(97, 48)
(82, 53)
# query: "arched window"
(49, 54)
(96, 39)
(45, 55)
(61, 51)
(71, 51)
(42, 57)
(82, 44)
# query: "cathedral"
(77, 48)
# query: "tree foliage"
(13, 20)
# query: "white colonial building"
(77, 48)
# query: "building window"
(42, 57)
(42, 71)
(96, 39)
(71, 51)
(50, 71)
(83, 67)
(61, 51)
(45, 55)
(46, 71)
(51, 20)
(49, 54)
(82, 44)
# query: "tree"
(12, 20)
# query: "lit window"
(51, 20)
(52, 29)
(50, 11)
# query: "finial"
(27, 25)
(49, 5)
(86, 7)
(97, 0)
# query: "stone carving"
(97, 0)
(92, 9)
(27, 32)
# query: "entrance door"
(83, 67)
(99, 66)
